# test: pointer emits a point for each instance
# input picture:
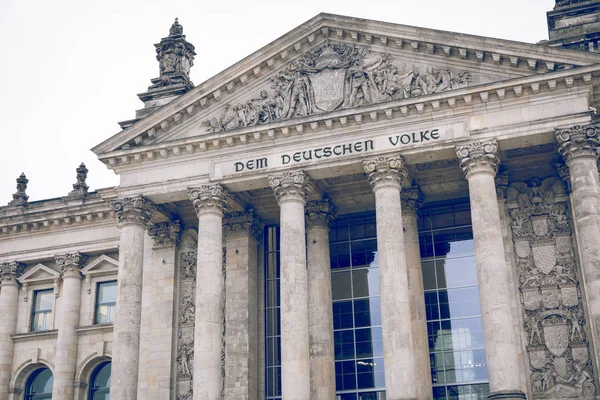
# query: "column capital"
(578, 141)
(9, 272)
(164, 234)
(70, 264)
(386, 171)
(319, 213)
(412, 200)
(564, 174)
(136, 210)
(242, 224)
(501, 181)
(479, 157)
(293, 185)
(209, 199)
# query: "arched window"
(100, 382)
(39, 385)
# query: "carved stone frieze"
(332, 77)
(209, 199)
(412, 200)
(479, 157)
(578, 141)
(20, 198)
(554, 319)
(385, 171)
(133, 210)
(70, 264)
(164, 234)
(9, 272)
(293, 185)
(243, 224)
(319, 213)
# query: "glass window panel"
(462, 215)
(341, 285)
(346, 396)
(371, 249)
(107, 292)
(369, 342)
(345, 372)
(428, 270)
(343, 255)
(357, 228)
(44, 300)
(434, 336)
(456, 272)
(367, 312)
(456, 303)
(342, 315)
(436, 361)
(102, 379)
(365, 282)
(344, 344)
(426, 245)
(42, 382)
(343, 234)
(439, 393)
(359, 255)
(442, 217)
(273, 321)
(370, 227)
(431, 306)
(443, 242)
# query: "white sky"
(72, 68)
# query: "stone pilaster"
(579, 147)
(158, 305)
(386, 175)
(291, 189)
(210, 201)
(479, 161)
(243, 231)
(318, 216)
(9, 297)
(412, 200)
(133, 214)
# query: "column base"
(507, 395)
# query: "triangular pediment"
(101, 266)
(332, 63)
(39, 274)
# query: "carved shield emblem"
(537, 357)
(569, 295)
(522, 248)
(563, 244)
(544, 257)
(540, 226)
(580, 353)
(328, 86)
(556, 335)
(532, 299)
(550, 297)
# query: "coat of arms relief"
(554, 319)
(333, 77)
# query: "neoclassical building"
(357, 211)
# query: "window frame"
(92, 391)
(97, 302)
(30, 381)
(49, 321)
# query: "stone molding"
(319, 213)
(479, 157)
(135, 210)
(412, 200)
(243, 224)
(9, 272)
(70, 264)
(578, 141)
(386, 171)
(293, 185)
(209, 199)
(164, 234)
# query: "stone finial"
(209, 199)
(319, 213)
(80, 188)
(412, 200)
(70, 264)
(243, 224)
(9, 272)
(293, 185)
(386, 171)
(133, 210)
(165, 234)
(175, 56)
(578, 141)
(20, 197)
(479, 157)
(176, 28)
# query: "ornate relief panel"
(554, 320)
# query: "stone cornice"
(393, 110)
(386, 171)
(477, 157)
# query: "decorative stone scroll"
(164, 234)
(319, 213)
(578, 141)
(386, 171)
(243, 224)
(479, 157)
(70, 264)
(554, 319)
(209, 199)
(412, 200)
(332, 77)
(133, 210)
(293, 185)
(9, 272)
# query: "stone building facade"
(358, 210)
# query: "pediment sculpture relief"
(333, 77)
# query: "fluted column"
(318, 216)
(210, 201)
(579, 148)
(479, 161)
(9, 296)
(243, 232)
(412, 200)
(291, 189)
(386, 175)
(133, 214)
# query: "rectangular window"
(106, 300)
(42, 310)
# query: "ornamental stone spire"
(20, 197)
(80, 188)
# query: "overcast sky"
(72, 69)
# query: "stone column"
(210, 201)
(412, 199)
(67, 319)
(318, 216)
(243, 232)
(9, 296)
(158, 305)
(479, 161)
(133, 214)
(291, 189)
(385, 176)
(579, 148)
